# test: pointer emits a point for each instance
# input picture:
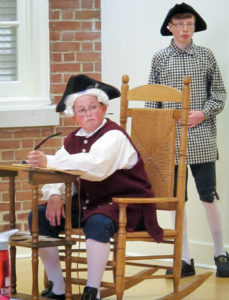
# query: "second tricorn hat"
(200, 24)
(81, 82)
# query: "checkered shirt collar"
(189, 50)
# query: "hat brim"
(200, 24)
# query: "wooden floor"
(213, 289)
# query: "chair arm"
(156, 200)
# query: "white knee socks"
(214, 221)
(97, 256)
(185, 249)
(50, 259)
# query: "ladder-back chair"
(154, 133)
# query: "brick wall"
(75, 47)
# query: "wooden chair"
(154, 132)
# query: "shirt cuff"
(50, 161)
(48, 193)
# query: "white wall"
(130, 36)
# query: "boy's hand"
(195, 117)
(37, 159)
(55, 210)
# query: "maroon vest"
(96, 196)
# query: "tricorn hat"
(80, 83)
(180, 9)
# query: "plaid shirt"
(169, 67)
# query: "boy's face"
(182, 30)
(89, 113)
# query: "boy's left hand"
(195, 117)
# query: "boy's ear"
(74, 118)
(169, 27)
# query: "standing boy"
(169, 66)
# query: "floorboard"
(213, 289)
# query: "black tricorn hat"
(180, 9)
(83, 82)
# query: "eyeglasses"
(182, 25)
(81, 111)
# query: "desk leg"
(35, 290)
(35, 197)
(68, 289)
(13, 269)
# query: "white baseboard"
(202, 253)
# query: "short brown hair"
(183, 16)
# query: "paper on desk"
(27, 166)
(4, 236)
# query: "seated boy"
(113, 168)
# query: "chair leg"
(120, 268)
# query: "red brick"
(27, 133)
(69, 57)
(7, 155)
(98, 46)
(87, 14)
(54, 142)
(27, 143)
(64, 4)
(9, 144)
(68, 121)
(67, 14)
(56, 78)
(98, 25)
(88, 56)
(4, 185)
(46, 131)
(55, 57)
(64, 46)
(26, 186)
(86, 26)
(87, 46)
(22, 216)
(4, 207)
(6, 217)
(97, 4)
(57, 88)
(98, 67)
(87, 4)
(55, 35)
(60, 26)
(27, 205)
(87, 67)
(21, 154)
(68, 36)
(96, 76)
(54, 15)
(5, 134)
(70, 67)
(87, 36)
(22, 196)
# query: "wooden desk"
(37, 176)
